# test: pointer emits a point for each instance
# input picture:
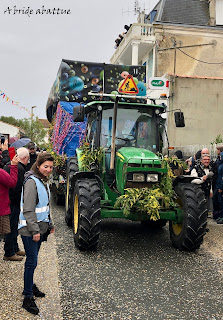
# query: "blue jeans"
(220, 200)
(11, 244)
(32, 249)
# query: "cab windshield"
(136, 127)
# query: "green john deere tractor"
(120, 155)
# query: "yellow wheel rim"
(177, 228)
(75, 214)
(67, 194)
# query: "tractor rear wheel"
(86, 213)
(188, 235)
(72, 167)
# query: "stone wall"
(201, 100)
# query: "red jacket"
(7, 181)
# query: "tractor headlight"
(152, 177)
(138, 177)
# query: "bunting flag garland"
(14, 103)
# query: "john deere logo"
(157, 83)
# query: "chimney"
(212, 12)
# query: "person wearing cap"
(32, 154)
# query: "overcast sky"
(32, 47)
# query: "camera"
(2, 138)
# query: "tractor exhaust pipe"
(114, 122)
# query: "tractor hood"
(137, 155)
(131, 160)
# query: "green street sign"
(157, 83)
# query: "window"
(91, 128)
(136, 127)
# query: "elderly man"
(204, 172)
(12, 252)
(204, 151)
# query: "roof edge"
(195, 77)
(187, 25)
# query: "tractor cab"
(137, 135)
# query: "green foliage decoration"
(217, 140)
(90, 155)
(175, 161)
(149, 200)
(59, 161)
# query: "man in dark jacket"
(12, 252)
(32, 153)
(215, 199)
(219, 188)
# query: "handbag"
(45, 235)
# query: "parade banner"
(75, 79)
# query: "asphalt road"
(137, 274)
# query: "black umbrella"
(20, 143)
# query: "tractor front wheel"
(86, 213)
(72, 167)
(188, 235)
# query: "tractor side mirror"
(179, 119)
(78, 113)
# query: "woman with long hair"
(35, 223)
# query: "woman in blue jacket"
(34, 223)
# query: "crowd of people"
(25, 198)
(209, 175)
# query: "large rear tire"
(86, 213)
(189, 234)
(72, 167)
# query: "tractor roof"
(91, 105)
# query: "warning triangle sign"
(129, 86)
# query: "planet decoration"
(75, 79)
(95, 81)
(124, 74)
(84, 69)
(71, 85)
(142, 88)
